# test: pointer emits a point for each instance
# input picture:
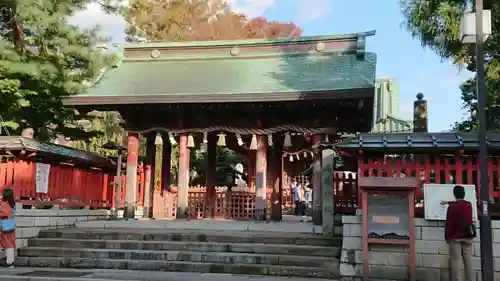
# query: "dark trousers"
(300, 208)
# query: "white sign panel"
(42, 177)
(435, 193)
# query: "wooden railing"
(239, 205)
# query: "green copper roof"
(392, 124)
(16, 143)
(169, 72)
(250, 42)
(414, 142)
(386, 108)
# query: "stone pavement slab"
(290, 224)
(46, 274)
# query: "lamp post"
(475, 28)
(117, 147)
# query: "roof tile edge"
(249, 42)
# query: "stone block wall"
(30, 221)
(390, 262)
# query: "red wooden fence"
(240, 205)
(430, 169)
(70, 186)
(67, 185)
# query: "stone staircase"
(200, 251)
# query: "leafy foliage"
(108, 124)
(192, 20)
(437, 25)
(42, 60)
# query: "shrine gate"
(257, 97)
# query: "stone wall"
(389, 262)
(30, 221)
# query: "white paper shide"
(42, 177)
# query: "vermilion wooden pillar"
(131, 180)
(210, 194)
(183, 178)
(149, 169)
(261, 178)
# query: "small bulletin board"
(388, 216)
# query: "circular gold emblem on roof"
(234, 51)
(155, 53)
(320, 46)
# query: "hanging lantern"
(239, 140)
(205, 137)
(253, 143)
(297, 155)
(190, 143)
(158, 140)
(305, 154)
(312, 154)
(327, 139)
(270, 140)
(291, 158)
(222, 140)
(171, 139)
(288, 140)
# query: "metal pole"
(485, 218)
(118, 183)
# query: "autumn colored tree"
(194, 20)
(262, 28)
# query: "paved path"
(290, 224)
(45, 274)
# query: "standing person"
(297, 196)
(7, 229)
(459, 232)
(308, 194)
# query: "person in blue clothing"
(8, 236)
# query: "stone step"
(186, 256)
(193, 236)
(68, 274)
(330, 272)
(255, 248)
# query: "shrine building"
(258, 97)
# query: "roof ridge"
(242, 42)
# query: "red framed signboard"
(388, 216)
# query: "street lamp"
(476, 29)
(117, 147)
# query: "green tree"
(42, 60)
(109, 126)
(437, 25)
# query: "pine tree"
(42, 60)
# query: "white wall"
(390, 261)
(30, 222)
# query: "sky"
(399, 55)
